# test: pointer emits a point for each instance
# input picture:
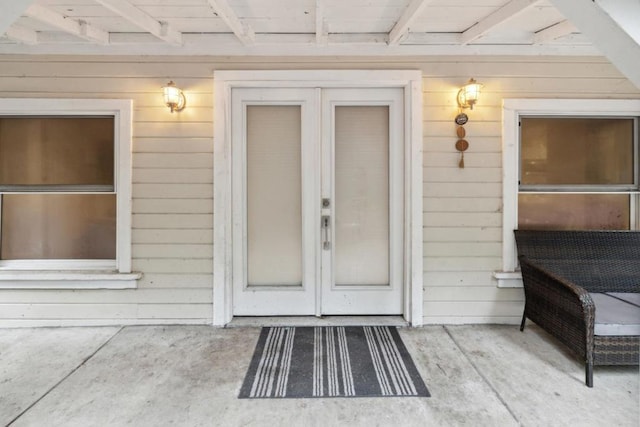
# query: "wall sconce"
(468, 94)
(173, 97)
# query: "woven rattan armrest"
(560, 307)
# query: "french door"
(317, 201)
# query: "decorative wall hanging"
(467, 97)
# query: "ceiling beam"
(291, 45)
(11, 11)
(72, 26)
(321, 29)
(242, 31)
(410, 14)
(142, 19)
(21, 34)
(606, 34)
(501, 15)
(553, 32)
(626, 13)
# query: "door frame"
(224, 81)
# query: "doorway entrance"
(317, 199)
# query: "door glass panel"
(274, 195)
(362, 195)
(58, 226)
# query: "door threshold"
(245, 321)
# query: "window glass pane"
(58, 226)
(578, 151)
(274, 195)
(573, 211)
(56, 150)
(362, 195)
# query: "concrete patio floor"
(190, 376)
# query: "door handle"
(326, 232)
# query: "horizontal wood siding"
(172, 193)
(172, 177)
(463, 207)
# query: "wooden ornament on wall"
(462, 144)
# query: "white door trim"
(224, 81)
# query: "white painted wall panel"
(173, 160)
(171, 145)
(178, 175)
(172, 175)
(173, 251)
(463, 207)
(194, 206)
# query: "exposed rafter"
(242, 31)
(293, 30)
(11, 11)
(321, 29)
(606, 34)
(410, 14)
(626, 13)
(22, 34)
(143, 20)
(553, 32)
(77, 28)
(506, 12)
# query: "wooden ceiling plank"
(140, 18)
(606, 34)
(501, 15)
(22, 34)
(242, 31)
(549, 34)
(11, 11)
(321, 28)
(72, 26)
(403, 25)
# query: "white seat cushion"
(615, 316)
(632, 298)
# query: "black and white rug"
(338, 361)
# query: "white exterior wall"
(173, 192)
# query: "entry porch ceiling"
(290, 27)
(325, 27)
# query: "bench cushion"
(631, 298)
(615, 317)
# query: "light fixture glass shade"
(468, 94)
(173, 97)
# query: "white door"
(317, 201)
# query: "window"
(577, 173)
(56, 178)
(567, 164)
(65, 187)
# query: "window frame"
(100, 270)
(512, 110)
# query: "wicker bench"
(583, 287)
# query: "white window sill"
(508, 279)
(67, 279)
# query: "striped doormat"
(353, 361)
